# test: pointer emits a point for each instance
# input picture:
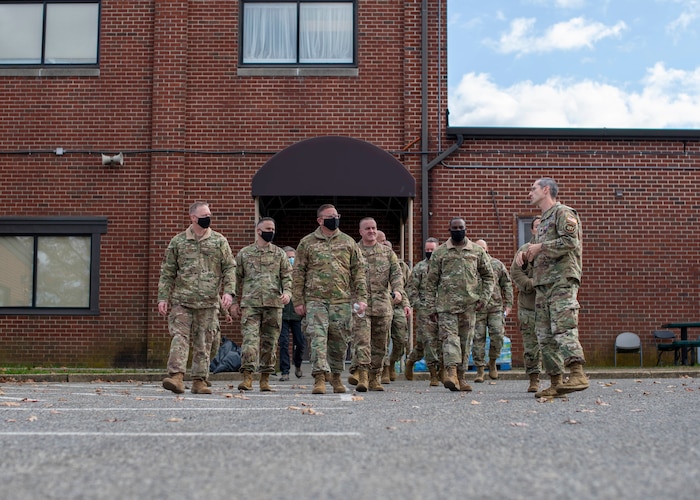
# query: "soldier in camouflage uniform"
(427, 341)
(198, 265)
(401, 313)
(328, 271)
(383, 275)
(453, 295)
(526, 316)
(557, 264)
(264, 279)
(491, 319)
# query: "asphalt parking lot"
(622, 438)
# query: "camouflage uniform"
(383, 274)
(262, 275)
(399, 322)
(192, 275)
(557, 276)
(453, 292)
(328, 272)
(427, 341)
(490, 319)
(526, 314)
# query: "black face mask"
(204, 222)
(428, 254)
(458, 235)
(267, 235)
(331, 224)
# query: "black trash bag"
(228, 359)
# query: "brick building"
(204, 101)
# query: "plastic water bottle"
(356, 309)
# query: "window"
(49, 33)
(524, 231)
(50, 265)
(298, 32)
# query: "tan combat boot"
(463, 384)
(385, 377)
(175, 383)
(408, 371)
(319, 383)
(247, 384)
(199, 386)
(375, 383)
(352, 378)
(493, 371)
(337, 383)
(441, 373)
(450, 380)
(362, 380)
(479, 375)
(534, 382)
(577, 380)
(434, 377)
(392, 371)
(550, 391)
(265, 382)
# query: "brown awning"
(333, 166)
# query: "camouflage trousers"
(427, 338)
(488, 323)
(532, 354)
(556, 326)
(328, 327)
(398, 336)
(361, 350)
(198, 326)
(456, 331)
(260, 327)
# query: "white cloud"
(574, 34)
(669, 98)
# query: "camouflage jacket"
(416, 284)
(262, 274)
(523, 280)
(561, 256)
(452, 284)
(195, 272)
(328, 269)
(502, 292)
(383, 274)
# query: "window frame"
(43, 63)
(296, 65)
(524, 232)
(59, 226)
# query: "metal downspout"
(425, 147)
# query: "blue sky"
(574, 63)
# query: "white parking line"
(185, 434)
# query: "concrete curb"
(514, 374)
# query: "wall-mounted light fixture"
(113, 160)
(618, 193)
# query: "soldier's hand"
(520, 259)
(397, 297)
(236, 311)
(300, 310)
(285, 298)
(479, 306)
(408, 311)
(226, 300)
(163, 307)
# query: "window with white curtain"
(298, 32)
(49, 32)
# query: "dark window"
(49, 33)
(50, 265)
(298, 32)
